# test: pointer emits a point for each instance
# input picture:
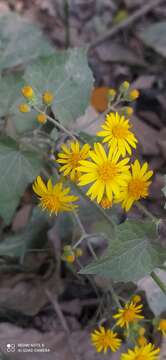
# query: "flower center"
(120, 131)
(107, 171)
(51, 202)
(140, 357)
(129, 315)
(105, 340)
(163, 324)
(74, 159)
(137, 188)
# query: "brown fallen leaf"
(21, 218)
(147, 137)
(161, 140)
(112, 52)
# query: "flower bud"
(47, 97)
(136, 299)
(111, 94)
(133, 95)
(127, 110)
(24, 108)
(28, 92)
(41, 118)
(78, 252)
(124, 86)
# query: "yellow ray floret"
(147, 352)
(54, 198)
(136, 186)
(105, 171)
(104, 339)
(69, 158)
(128, 315)
(117, 133)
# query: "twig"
(58, 311)
(159, 282)
(130, 19)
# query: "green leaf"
(33, 236)
(134, 253)
(90, 139)
(10, 98)
(20, 41)
(10, 90)
(68, 76)
(164, 189)
(18, 169)
(54, 134)
(155, 37)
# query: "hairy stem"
(159, 282)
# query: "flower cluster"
(105, 168)
(128, 318)
(31, 102)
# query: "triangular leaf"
(69, 77)
(33, 236)
(18, 169)
(134, 253)
(20, 41)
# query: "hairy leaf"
(33, 236)
(134, 253)
(20, 41)
(155, 37)
(68, 76)
(18, 169)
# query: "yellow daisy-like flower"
(117, 133)
(54, 198)
(147, 352)
(128, 315)
(70, 157)
(104, 339)
(162, 326)
(106, 173)
(136, 186)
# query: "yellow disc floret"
(47, 97)
(24, 108)
(133, 95)
(41, 118)
(28, 92)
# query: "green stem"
(98, 208)
(145, 211)
(159, 282)
(80, 224)
(56, 123)
(67, 24)
(114, 296)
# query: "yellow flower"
(54, 198)
(105, 203)
(104, 339)
(78, 252)
(129, 314)
(24, 108)
(41, 118)
(105, 172)
(147, 352)
(142, 341)
(117, 133)
(70, 158)
(28, 92)
(162, 326)
(137, 185)
(48, 97)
